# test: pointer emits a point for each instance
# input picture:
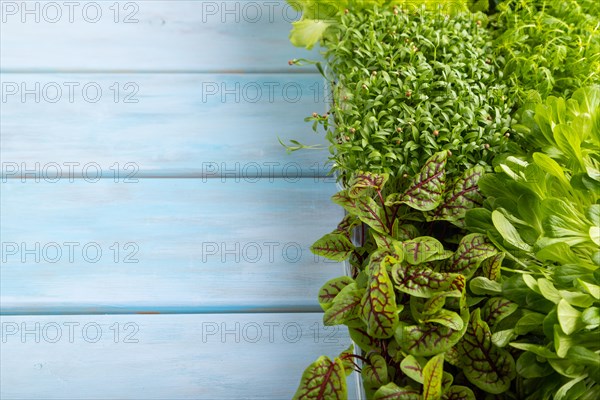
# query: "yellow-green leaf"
(323, 380)
(379, 310)
(432, 378)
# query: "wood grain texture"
(212, 357)
(190, 89)
(202, 245)
(149, 35)
(179, 125)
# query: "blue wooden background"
(212, 291)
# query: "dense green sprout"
(550, 47)
(407, 84)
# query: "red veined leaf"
(323, 380)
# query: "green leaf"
(459, 393)
(424, 249)
(412, 367)
(479, 5)
(508, 232)
(593, 392)
(593, 214)
(464, 196)
(548, 290)
(432, 378)
(535, 349)
(591, 317)
(483, 286)
(531, 283)
(330, 290)
(428, 339)
(503, 337)
(528, 366)
(386, 242)
(379, 310)
(566, 367)
(334, 246)
(404, 232)
(577, 299)
(347, 224)
(308, 32)
(446, 318)
(346, 357)
(592, 289)
(581, 355)
(392, 392)
(566, 137)
(551, 167)
(479, 220)
(529, 322)
(360, 336)
(345, 306)
(486, 366)
(323, 380)
(496, 309)
(490, 267)
(438, 300)
(375, 372)
(426, 189)
(447, 381)
(421, 281)
(364, 181)
(563, 221)
(559, 252)
(364, 208)
(562, 342)
(594, 233)
(568, 317)
(566, 274)
(564, 389)
(472, 250)
(515, 289)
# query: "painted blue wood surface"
(212, 357)
(200, 245)
(150, 35)
(163, 124)
(193, 153)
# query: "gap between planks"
(263, 71)
(154, 175)
(309, 309)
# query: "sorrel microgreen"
(407, 304)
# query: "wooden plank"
(216, 357)
(201, 245)
(144, 35)
(160, 124)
